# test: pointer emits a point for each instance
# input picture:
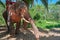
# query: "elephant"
(14, 14)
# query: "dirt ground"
(53, 34)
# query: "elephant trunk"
(35, 29)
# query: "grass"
(47, 24)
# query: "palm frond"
(2, 3)
(45, 3)
(58, 3)
(30, 2)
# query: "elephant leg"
(10, 24)
(17, 27)
(25, 25)
(5, 15)
(12, 29)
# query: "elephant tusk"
(25, 20)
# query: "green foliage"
(1, 17)
(44, 19)
(36, 17)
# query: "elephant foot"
(12, 33)
(17, 31)
(7, 31)
(12, 36)
(23, 30)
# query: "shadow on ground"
(28, 36)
